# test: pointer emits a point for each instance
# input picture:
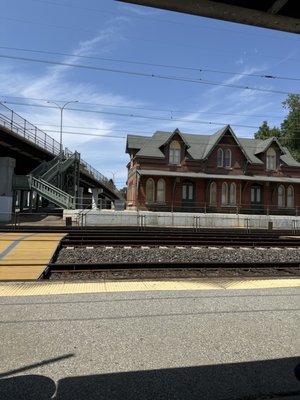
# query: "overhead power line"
(170, 110)
(138, 116)
(168, 66)
(143, 74)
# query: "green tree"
(290, 127)
(265, 132)
(289, 132)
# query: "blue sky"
(137, 70)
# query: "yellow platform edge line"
(59, 288)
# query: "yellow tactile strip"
(24, 256)
(56, 288)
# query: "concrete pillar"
(7, 166)
(95, 194)
(80, 197)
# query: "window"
(281, 196)
(271, 159)
(161, 191)
(232, 195)
(174, 153)
(224, 198)
(188, 191)
(228, 158)
(220, 158)
(150, 190)
(290, 197)
(213, 194)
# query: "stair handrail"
(35, 182)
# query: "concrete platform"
(187, 345)
(57, 288)
(24, 256)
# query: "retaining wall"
(188, 220)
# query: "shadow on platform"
(268, 379)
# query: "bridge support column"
(7, 165)
(80, 198)
(95, 194)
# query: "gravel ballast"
(230, 256)
(190, 254)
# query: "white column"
(80, 197)
(95, 193)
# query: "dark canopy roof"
(283, 15)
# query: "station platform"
(24, 256)
(54, 288)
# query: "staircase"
(39, 180)
(49, 170)
(51, 193)
(44, 189)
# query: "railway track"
(172, 252)
(122, 237)
(170, 270)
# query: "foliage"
(289, 132)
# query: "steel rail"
(170, 266)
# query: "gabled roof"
(199, 147)
(263, 145)
(135, 142)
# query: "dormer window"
(174, 153)
(220, 158)
(271, 159)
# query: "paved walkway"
(154, 345)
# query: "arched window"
(290, 197)
(271, 159)
(220, 158)
(150, 190)
(232, 195)
(224, 197)
(228, 158)
(174, 153)
(161, 191)
(281, 196)
(213, 194)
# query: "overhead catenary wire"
(168, 66)
(166, 110)
(146, 75)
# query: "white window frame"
(213, 194)
(174, 153)
(271, 159)
(281, 196)
(220, 157)
(228, 156)
(290, 197)
(232, 194)
(161, 191)
(224, 194)
(149, 195)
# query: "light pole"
(113, 174)
(61, 136)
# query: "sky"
(136, 70)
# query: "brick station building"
(175, 171)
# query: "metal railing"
(51, 192)
(21, 127)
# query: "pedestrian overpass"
(31, 164)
